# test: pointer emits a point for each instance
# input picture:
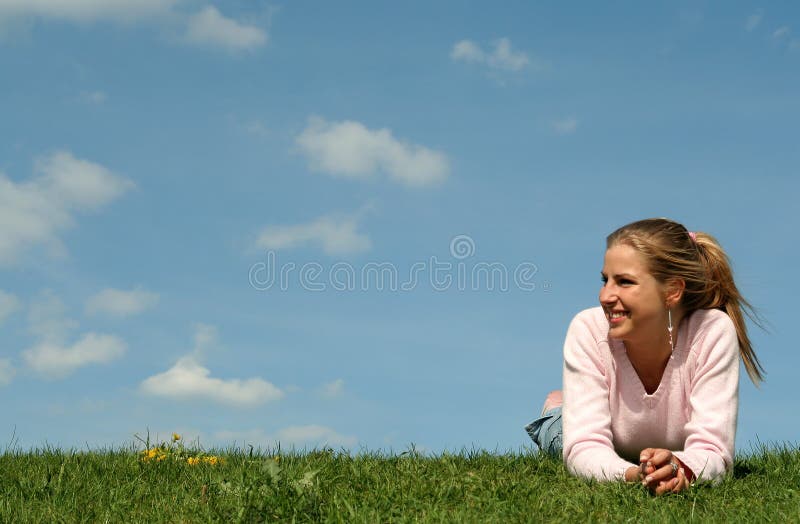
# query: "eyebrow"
(619, 275)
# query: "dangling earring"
(669, 329)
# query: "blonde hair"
(672, 253)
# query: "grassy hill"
(176, 484)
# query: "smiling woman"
(651, 376)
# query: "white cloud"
(333, 389)
(36, 211)
(7, 372)
(311, 435)
(55, 361)
(350, 150)
(502, 57)
(781, 32)
(753, 21)
(120, 303)
(336, 236)
(85, 10)
(210, 27)
(565, 126)
(188, 380)
(8, 304)
(52, 357)
(468, 51)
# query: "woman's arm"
(714, 402)
(588, 447)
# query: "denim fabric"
(547, 432)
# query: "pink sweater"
(609, 418)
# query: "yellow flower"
(175, 437)
(211, 460)
(193, 461)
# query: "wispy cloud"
(85, 10)
(349, 149)
(334, 235)
(36, 211)
(205, 337)
(333, 389)
(311, 435)
(753, 21)
(94, 97)
(501, 57)
(207, 27)
(7, 372)
(781, 32)
(56, 361)
(48, 320)
(8, 304)
(187, 379)
(565, 126)
(315, 435)
(210, 27)
(121, 303)
(52, 357)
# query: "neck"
(653, 350)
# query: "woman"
(651, 376)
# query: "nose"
(608, 294)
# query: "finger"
(665, 486)
(662, 473)
(661, 457)
(646, 454)
(682, 482)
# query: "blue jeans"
(547, 431)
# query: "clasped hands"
(660, 471)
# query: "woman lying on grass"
(651, 377)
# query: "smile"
(616, 316)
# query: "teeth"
(617, 315)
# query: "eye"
(603, 279)
(626, 282)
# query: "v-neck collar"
(630, 371)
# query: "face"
(633, 300)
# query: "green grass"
(52, 485)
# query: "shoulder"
(710, 321)
(592, 319)
(589, 326)
(711, 330)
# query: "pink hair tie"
(693, 236)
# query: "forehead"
(622, 258)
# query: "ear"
(674, 291)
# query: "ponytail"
(721, 293)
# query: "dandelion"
(153, 453)
(193, 461)
(175, 437)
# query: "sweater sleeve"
(588, 447)
(713, 399)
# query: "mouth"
(617, 316)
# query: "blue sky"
(159, 158)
